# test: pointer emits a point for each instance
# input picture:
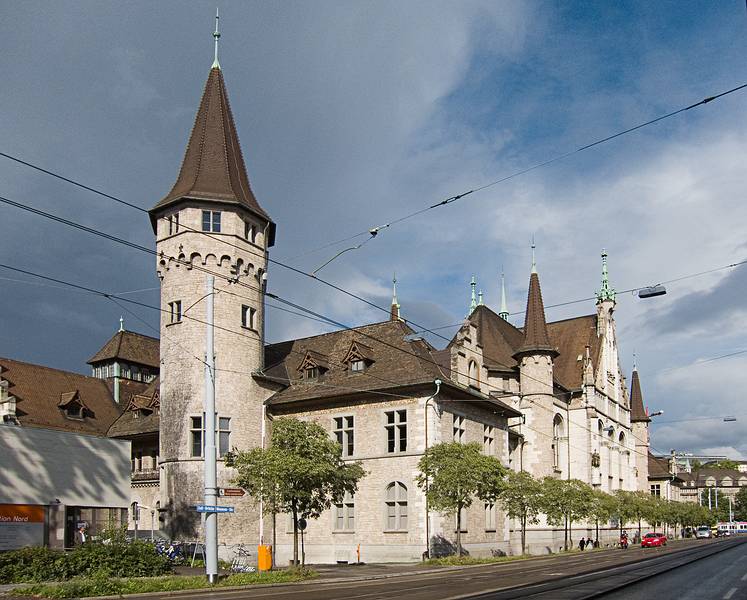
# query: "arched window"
(621, 439)
(396, 507)
(474, 374)
(557, 435)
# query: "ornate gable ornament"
(358, 351)
(313, 365)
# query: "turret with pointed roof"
(637, 411)
(213, 167)
(536, 338)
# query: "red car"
(651, 540)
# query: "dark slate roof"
(501, 341)
(570, 337)
(637, 412)
(141, 415)
(395, 363)
(131, 347)
(536, 337)
(658, 467)
(39, 390)
(213, 166)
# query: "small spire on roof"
(216, 35)
(394, 313)
(606, 292)
(121, 324)
(479, 298)
(473, 300)
(503, 314)
(635, 367)
(534, 259)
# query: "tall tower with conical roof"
(210, 221)
(639, 421)
(545, 452)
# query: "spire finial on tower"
(635, 366)
(534, 259)
(216, 35)
(394, 313)
(503, 314)
(606, 292)
(473, 301)
(121, 324)
(479, 298)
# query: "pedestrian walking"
(581, 544)
(81, 536)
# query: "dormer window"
(74, 411)
(313, 366)
(71, 405)
(358, 358)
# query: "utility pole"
(211, 484)
(731, 512)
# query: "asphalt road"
(485, 581)
(719, 577)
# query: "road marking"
(730, 593)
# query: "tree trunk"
(294, 511)
(459, 531)
(639, 528)
(570, 531)
(597, 537)
(524, 533)
(566, 533)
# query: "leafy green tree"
(740, 505)
(723, 464)
(521, 498)
(565, 501)
(452, 475)
(624, 510)
(301, 473)
(603, 508)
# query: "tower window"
(250, 233)
(173, 223)
(175, 309)
(211, 221)
(249, 317)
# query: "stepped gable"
(134, 421)
(213, 166)
(40, 390)
(130, 347)
(637, 411)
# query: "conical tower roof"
(637, 412)
(536, 338)
(213, 166)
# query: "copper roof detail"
(536, 338)
(213, 167)
(637, 412)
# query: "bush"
(114, 559)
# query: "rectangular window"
(356, 366)
(224, 435)
(656, 489)
(248, 317)
(489, 517)
(344, 434)
(173, 223)
(175, 309)
(396, 431)
(211, 221)
(196, 435)
(460, 429)
(488, 440)
(311, 372)
(345, 514)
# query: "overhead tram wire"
(375, 230)
(400, 219)
(111, 296)
(316, 316)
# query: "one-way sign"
(207, 508)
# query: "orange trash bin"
(264, 558)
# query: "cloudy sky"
(352, 114)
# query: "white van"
(703, 532)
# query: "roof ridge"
(337, 331)
(24, 362)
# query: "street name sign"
(207, 508)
